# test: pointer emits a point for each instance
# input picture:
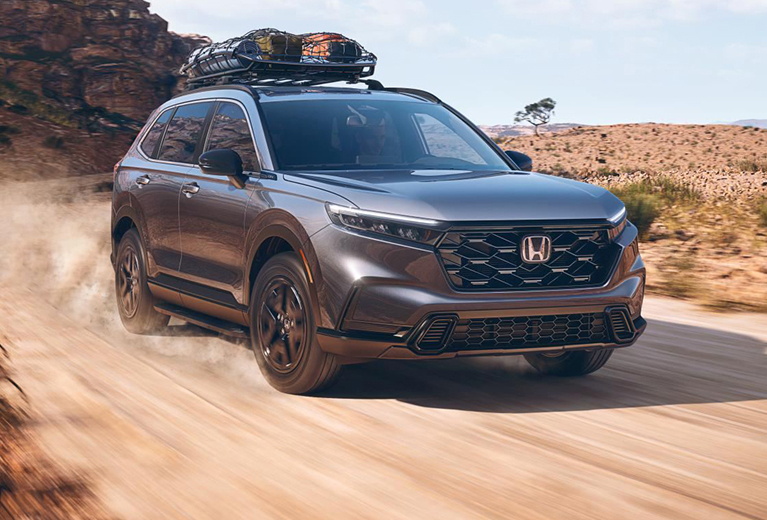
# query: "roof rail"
(428, 96)
(377, 85)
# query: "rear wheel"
(283, 331)
(569, 363)
(135, 302)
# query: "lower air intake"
(529, 332)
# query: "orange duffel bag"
(330, 47)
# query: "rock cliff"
(93, 65)
(100, 54)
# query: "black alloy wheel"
(135, 302)
(282, 325)
(128, 281)
(283, 330)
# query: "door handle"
(190, 189)
(143, 180)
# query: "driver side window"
(229, 129)
(441, 141)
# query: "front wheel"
(572, 363)
(283, 332)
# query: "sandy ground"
(183, 426)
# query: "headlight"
(425, 231)
(619, 222)
(615, 219)
(617, 230)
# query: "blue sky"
(603, 61)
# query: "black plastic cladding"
(479, 260)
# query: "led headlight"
(619, 221)
(425, 231)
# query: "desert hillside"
(699, 192)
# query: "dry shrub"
(761, 211)
(645, 199)
(642, 210)
(751, 165)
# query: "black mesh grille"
(490, 260)
(529, 331)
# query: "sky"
(603, 61)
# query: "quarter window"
(230, 129)
(153, 136)
(183, 133)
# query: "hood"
(463, 196)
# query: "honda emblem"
(536, 249)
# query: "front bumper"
(377, 298)
(551, 322)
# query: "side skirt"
(203, 320)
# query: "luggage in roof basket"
(276, 45)
(330, 48)
(269, 56)
(240, 53)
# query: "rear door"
(159, 188)
(155, 186)
(212, 210)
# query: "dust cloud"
(56, 242)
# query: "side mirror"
(524, 162)
(225, 163)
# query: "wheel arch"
(125, 218)
(282, 233)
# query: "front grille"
(529, 332)
(490, 260)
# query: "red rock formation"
(85, 57)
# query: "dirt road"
(675, 426)
(183, 426)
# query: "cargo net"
(269, 56)
(333, 48)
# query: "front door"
(212, 211)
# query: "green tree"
(537, 114)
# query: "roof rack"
(268, 72)
(272, 57)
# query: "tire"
(135, 302)
(283, 332)
(568, 364)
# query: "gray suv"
(335, 225)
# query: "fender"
(131, 210)
(281, 224)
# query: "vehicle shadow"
(670, 364)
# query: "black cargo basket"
(272, 57)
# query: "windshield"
(334, 134)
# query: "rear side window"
(153, 136)
(230, 129)
(183, 133)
